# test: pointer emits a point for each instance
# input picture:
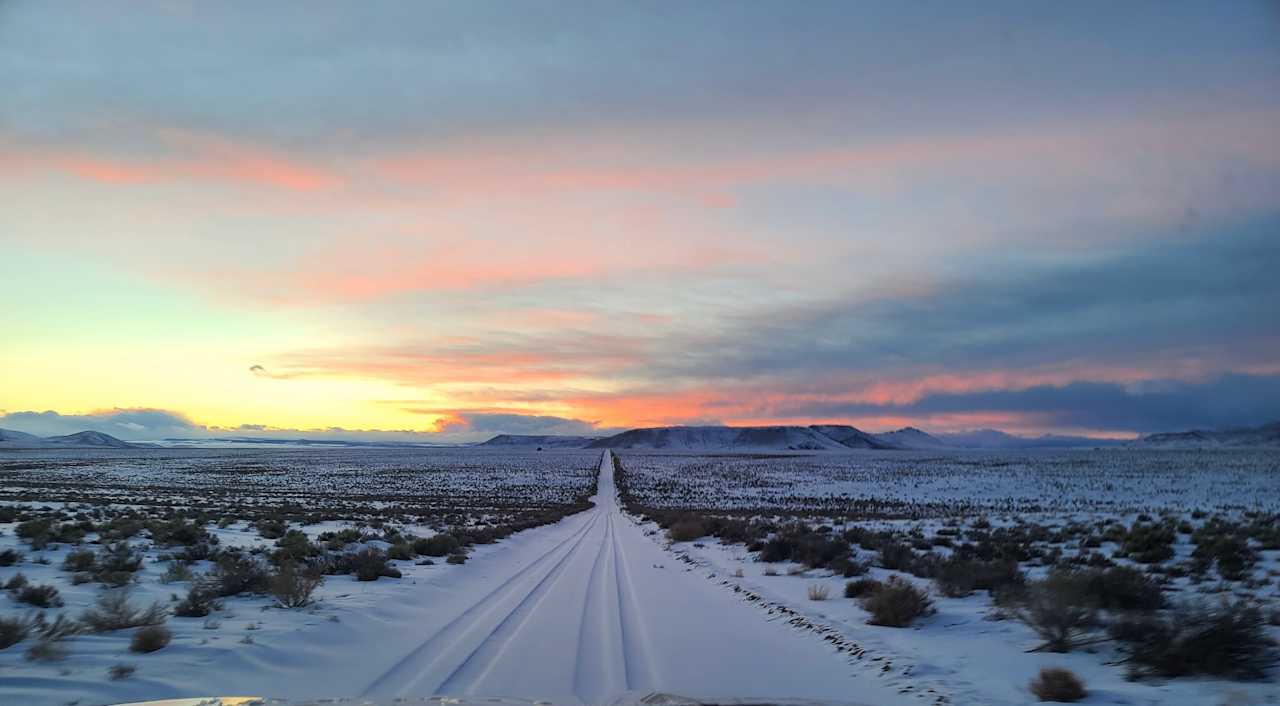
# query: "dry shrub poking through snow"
(200, 601)
(176, 571)
(442, 544)
(14, 630)
(401, 551)
(1224, 640)
(121, 671)
(79, 560)
(114, 612)
(1059, 685)
(238, 573)
(861, 587)
(16, 582)
(686, 530)
(292, 585)
(818, 592)
(896, 604)
(960, 577)
(369, 564)
(1061, 609)
(42, 596)
(150, 639)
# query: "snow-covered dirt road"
(600, 610)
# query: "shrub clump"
(687, 530)
(150, 638)
(294, 546)
(116, 564)
(442, 544)
(1232, 554)
(200, 601)
(1060, 609)
(40, 596)
(293, 586)
(1122, 588)
(815, 549)
(960, 577)
(1227, 640)
(367, 564)
(113, 611)
(237, 573)
(176, 571)
(1059, 685)
(861, 587)
(79, 560)
(14, 630)
(896, 604)
(1149, 543)
(400, 551)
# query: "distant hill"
(10, 439)
(911, 438)
(83, 440)
(851, 437)
(547, 441)
(1266, 436)
(721, 438)
(996, 439)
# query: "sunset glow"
(548, 226)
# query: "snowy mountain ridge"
(10, 439)
(1265, 436)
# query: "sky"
(446, 220)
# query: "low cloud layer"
(121, 423)
(1154, 406)
(157, 424)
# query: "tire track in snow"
(481, 660)
(599, 670)
(636, 646)
(415, 666)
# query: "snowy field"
(385, 573)
(420, 481)
(981, 533)
(586, 609)
(161, 525)
(916, 482)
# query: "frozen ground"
(596, 605)
(961, 653)
(420, 481)
(948, 482)
(1072, 508)
(583, 611)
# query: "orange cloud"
(183, 156)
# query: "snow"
(596, 608)
(961, 481)
(961, 652)
(583, 611)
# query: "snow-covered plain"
(966, 652)
(582, 611)
(956, 481)
(337, 481)
(597, 605)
